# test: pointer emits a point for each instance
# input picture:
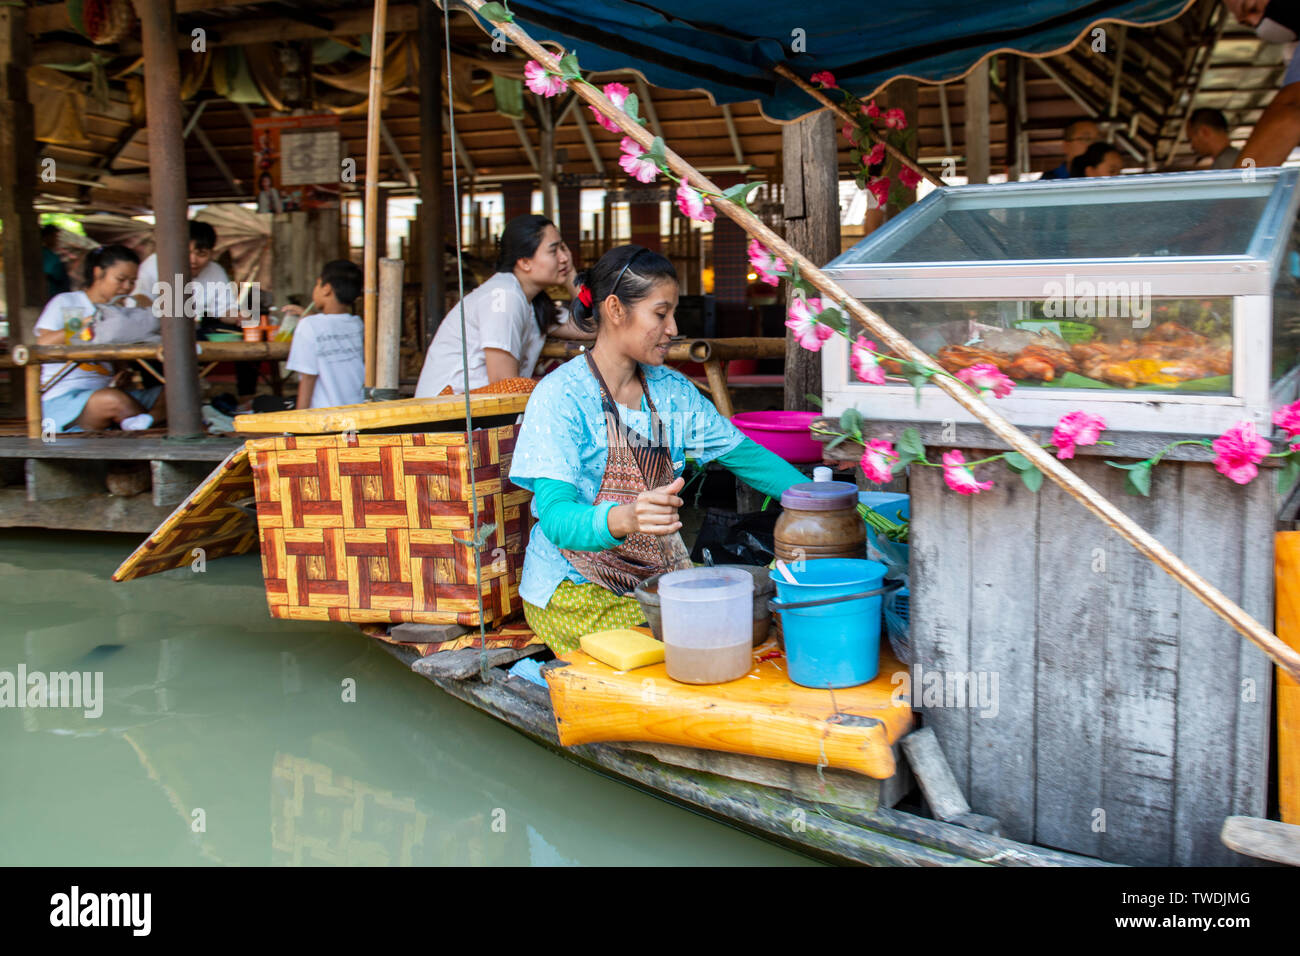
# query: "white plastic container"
(707, 624)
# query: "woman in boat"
(88, 397)
(603, 447)
(507, 318)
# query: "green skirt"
(578, 609)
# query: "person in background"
(88, 397)
(1079, 134)
(603, 446)
(56, 273)
(1099, 159)
(1207, 132)
(328, 350)
(215, 302)
(508, 317)
(1278, 130)
(268, 197)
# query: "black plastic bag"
(729, 538)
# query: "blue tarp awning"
(728, 47)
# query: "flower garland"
(877, 171)
(1237, 453)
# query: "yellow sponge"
(623, 649)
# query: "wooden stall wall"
(1129, 719)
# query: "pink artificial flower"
(634, 163)
(808, 332)
(1287, 418)
(847, 131)
(862, 356)
(987, 376)
(877, 461)
(1237, 452)
(541, 82)
(764, 263)
(876, 156)
(692, 205)
(879, 187)
(895, 119)
(1076, 430)
(617, 94)
(824, 78)
(960, 478)
(909, 177)
(871, 109)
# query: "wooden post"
(389, 333)
(546, 157)
(902, 95)
(24, 277)
(167, 187)
(32, 384)
(812, 225)
(376, 108)
(433, 217)
(977, 124)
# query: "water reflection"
(228, 738)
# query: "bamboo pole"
(846, 116)
(388, 335)
(1074, 486)
(374, 114)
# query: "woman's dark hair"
(629, 272)
(1092, 156)
(101, 257)
(520, 240)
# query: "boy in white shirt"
(328, 350)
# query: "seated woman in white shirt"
(508, 317)
(88, 396)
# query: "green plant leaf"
(739, 194)
(1290, 471)
(497, 12)
(1017, 462)
(1138, 479)
(814, 400)
(1033, 479)
(837, 442)
(656, 153)
(569, 67)
(851, 422)
(855, 156)
(834, 319)
(632, 107)
(909, 443)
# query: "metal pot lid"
(821, 496)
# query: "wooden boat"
(833, 815)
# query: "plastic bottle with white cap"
(822, 473)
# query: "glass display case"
(1167, 303)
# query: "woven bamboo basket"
(365, 528)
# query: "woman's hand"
(653, 512)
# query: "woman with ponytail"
(603, 447)
(87, 397)
(507, 318)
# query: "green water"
(225, 739)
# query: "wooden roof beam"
(397, 154)
(731, 132)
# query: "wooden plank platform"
(119, 447)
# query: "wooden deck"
(64, 483)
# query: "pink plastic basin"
(784, 433)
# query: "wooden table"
(31, 357)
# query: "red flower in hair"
(584, 296)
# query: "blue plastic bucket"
(835, 643)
